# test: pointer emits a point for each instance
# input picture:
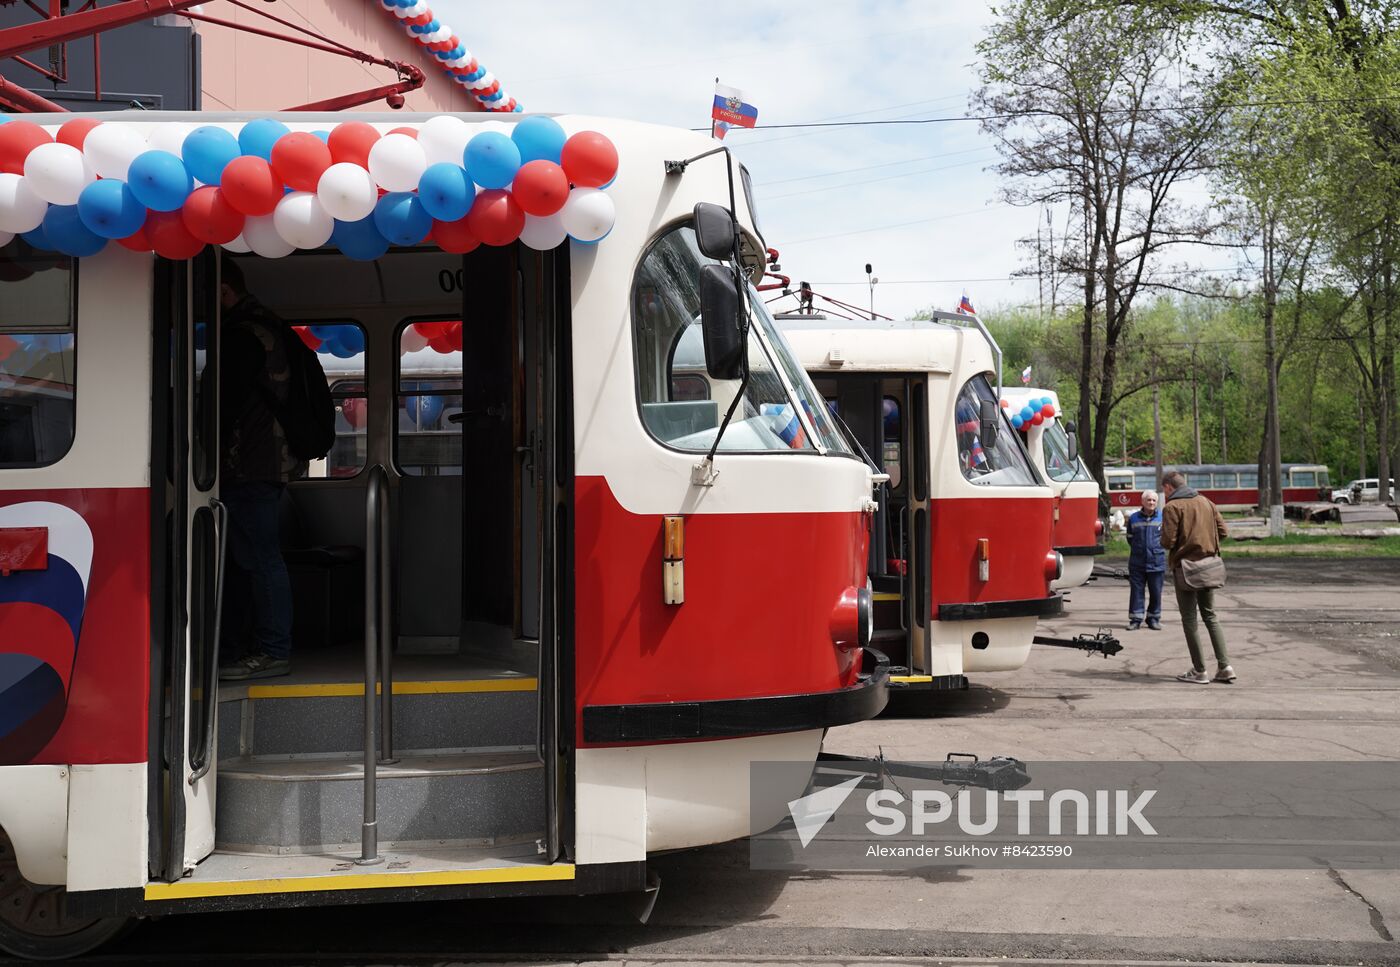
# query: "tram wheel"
(34, 920)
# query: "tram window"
(1001, 464)
(1120, 481)
(428, 393)
(1145, 480)
(1058, 465)
(1198, 480)
(1223, 481)
(1249, 479)
(341, 348)
(892, 419)
(38, 383)
(688, 387)
(1303, 478)
(1324, 478)
(667, 343)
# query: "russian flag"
(965, 306)
(731, 108)
(41, 616)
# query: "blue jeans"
(255, 549)
(1151, 581)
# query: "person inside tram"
(257, 463)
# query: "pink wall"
(243, 71)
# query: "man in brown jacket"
(1191, 530)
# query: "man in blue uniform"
(1147, 564)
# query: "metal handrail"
(198, 770)
(374, 512)
(386, 628)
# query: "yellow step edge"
(886, 596)
(192, 889)
(354, 689)
(912, 679)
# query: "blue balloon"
(4, 118)
(67, 233)
(37, 239)
(1016, 422)
(207, 150)
(339, 350)
(402, 219)
(446, 192)
(325, 333)
(425, 411)
(351, 338)
(360, 240)
(325, 136)
(160, 181)
(492, 159)
(539, 138)
(108, 208)
(258, 137)
(1027, 413)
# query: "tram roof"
(944, 343)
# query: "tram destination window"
(38, 381)
(341, 348)
(1000, 463)
(429, 392)
(1058, 465)
(779, 411)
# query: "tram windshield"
(1001, 463)
(681, 405)
(1058, 465)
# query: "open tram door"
(189, 536)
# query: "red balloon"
(210, 218)
(422, 20)
(454, 237)
(17, 139)
(169, 236)
(411, 132)
(1038, 419)
(1048, 411)
(308, 337)
(8, 344)
(441, 344)
(1005, 404)
(495, 217)
(139, 241)
(75, 132)
(299, 159)
(250, 186)
(428, 330)
(540, 187)
(454, 335)
(589, 159)
(354, 410)
(350, 142)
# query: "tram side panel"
(75, 621)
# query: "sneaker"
(1154, 625)
(257, 665)
(1196, 676)
(1134, 625)
(1225, 676)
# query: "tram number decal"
(452, 280)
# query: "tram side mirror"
(714, 231)
(991, 422)
(719, 323)
(1073, 432)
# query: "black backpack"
(307, 416)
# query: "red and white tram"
(1230, 486)
(598, 599)
(962, 565)
(1054, 449)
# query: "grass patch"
(1331, 544)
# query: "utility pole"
(1125, 441)
(1361, 431)
(1224, 439)
(1157, 428)
(1195, 406)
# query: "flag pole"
(712, 113)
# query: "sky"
(917, 202)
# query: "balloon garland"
(1033, 413)
(446, 47)
(269, 190)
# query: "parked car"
(1366, 489)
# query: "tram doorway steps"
(314, 805)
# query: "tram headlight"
(853, 619)
(1054, 566)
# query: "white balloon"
(411, 341)
(397, 162)
(169, 136)
(7, 237)
(262, 237)
(444, 139)
(20, 209)
(111, 147)
(347, 192)
(57, 173)
(302, 221)
(589, 214)
(544, 232)
(239, 244)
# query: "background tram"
(1232, 486)
(962, 565)
(1054, 449)
(567, 654)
